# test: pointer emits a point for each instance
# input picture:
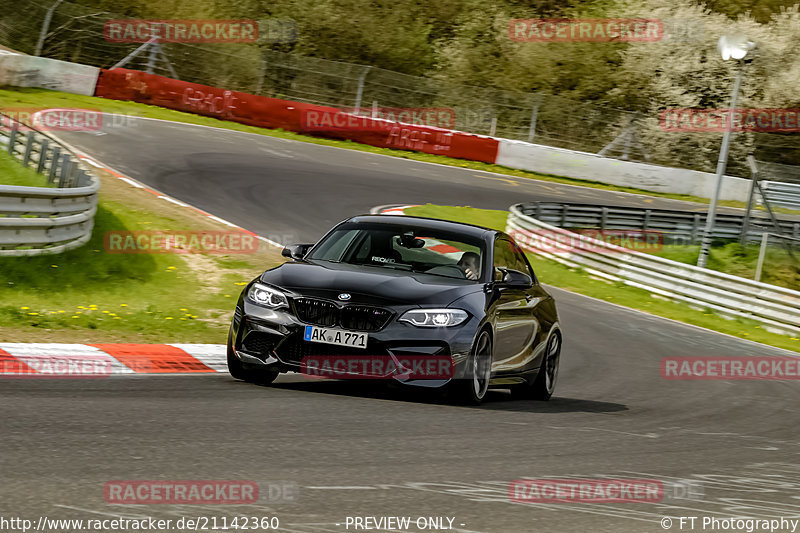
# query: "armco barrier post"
(28, 149)
(53, 164)
(44, 145)
(761, 253)
(534, 116)
(66, 166)
(12, 138)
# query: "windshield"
(406, 248)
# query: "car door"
(513, 310)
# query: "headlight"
(433, 318)
(260, 294)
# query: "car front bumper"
(273, 339)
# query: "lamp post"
(731, 47)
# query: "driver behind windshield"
(442, 254)
(470, 263)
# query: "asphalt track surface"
(351, 449)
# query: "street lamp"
(731, 47)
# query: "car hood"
(365, 284)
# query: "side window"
(502, 255)
(519, 260)
(509, 255)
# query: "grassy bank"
(576, 280)
(13, 173)
(92, 295)
(779, 267)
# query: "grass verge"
(13, 173)
(578, 281)
(89, 295)
(43, 98)
(779, 268)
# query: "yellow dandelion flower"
(25, 307)
(168, 318)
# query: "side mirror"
(514, 279)
(296, 251)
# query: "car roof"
(427, 223)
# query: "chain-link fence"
(76, 33)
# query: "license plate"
(336, 336)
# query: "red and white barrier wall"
(586, 166)
(124, 84)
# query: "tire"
(472, 388)
(239, 370)
(543, 386)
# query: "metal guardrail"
(777, 308)
(44, 220)
(782, 194)
(677, 227)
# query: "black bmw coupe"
(420, 301)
